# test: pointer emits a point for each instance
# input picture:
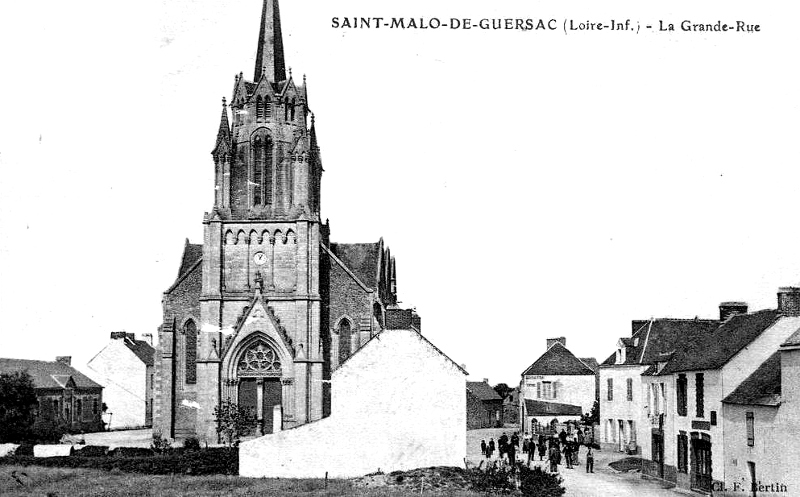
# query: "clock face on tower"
(260, 258)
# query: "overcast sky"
(530, 184)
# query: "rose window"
(259, 360)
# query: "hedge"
(212, 461)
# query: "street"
(603, 482)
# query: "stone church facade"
(267, 307)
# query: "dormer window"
(620, 356)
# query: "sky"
(531, 184)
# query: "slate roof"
(659, 337)
(47, 374)
(714, 348)
(591, 362)
(762, 388)
(192, 253)
(482, 390)
(793, 340)
(143, 350)
(558, 361)
(361, 258)
(542, 408)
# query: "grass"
(63, 482)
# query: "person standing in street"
(590, 460)
(490, 449)
(483, 447)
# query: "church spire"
(269, 56)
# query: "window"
(547, 390)
(344, 339)
(291, 110)
(629, 383)
(681, 391)
(751, 429)
(267, 108)
(79, 408)
(190, 340)
(611, 389)
(683, 453)
(94, 406)
(713, 415)
(698, 385)
(538, 390)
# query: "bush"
(539, 483)
(49, 431)
(25, 449)
(159, 444)
(130, 452)
(494, 480)
(92, 451)
(191, 444)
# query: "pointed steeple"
(269, 56)
(224, 133)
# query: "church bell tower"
(259, 341)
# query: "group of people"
(554, 447)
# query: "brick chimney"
(728, 309)
(486, 380)
(789, 300)
(64, 359)
(553, 341)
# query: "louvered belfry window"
(262, 170)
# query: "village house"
(409, 415)
(67, 398)
(682, 435)
(759, 418)
(557, 387)
(484, 405)
(622, 392)
(125, 369)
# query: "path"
(604, 482)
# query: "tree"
(232, 422)
(18, 405)
(592, 417)
(502, 390)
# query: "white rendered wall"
(620, 408)
(124, 379)
(577, 390)
(397, 404)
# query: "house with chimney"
(759, 418)
(484, 405)
(558, 387)
(67, 398)
(125, 369)
(682, 434)
(622, 393)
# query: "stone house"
(125, 369)
(66, 396)
(406, 416)
(682, 434)
(622, 394)
(557, 387)
(759, 420)
(267, 307)
(484, 405)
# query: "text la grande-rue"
(719, 26)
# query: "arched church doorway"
(258, 371)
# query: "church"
(267, 307)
